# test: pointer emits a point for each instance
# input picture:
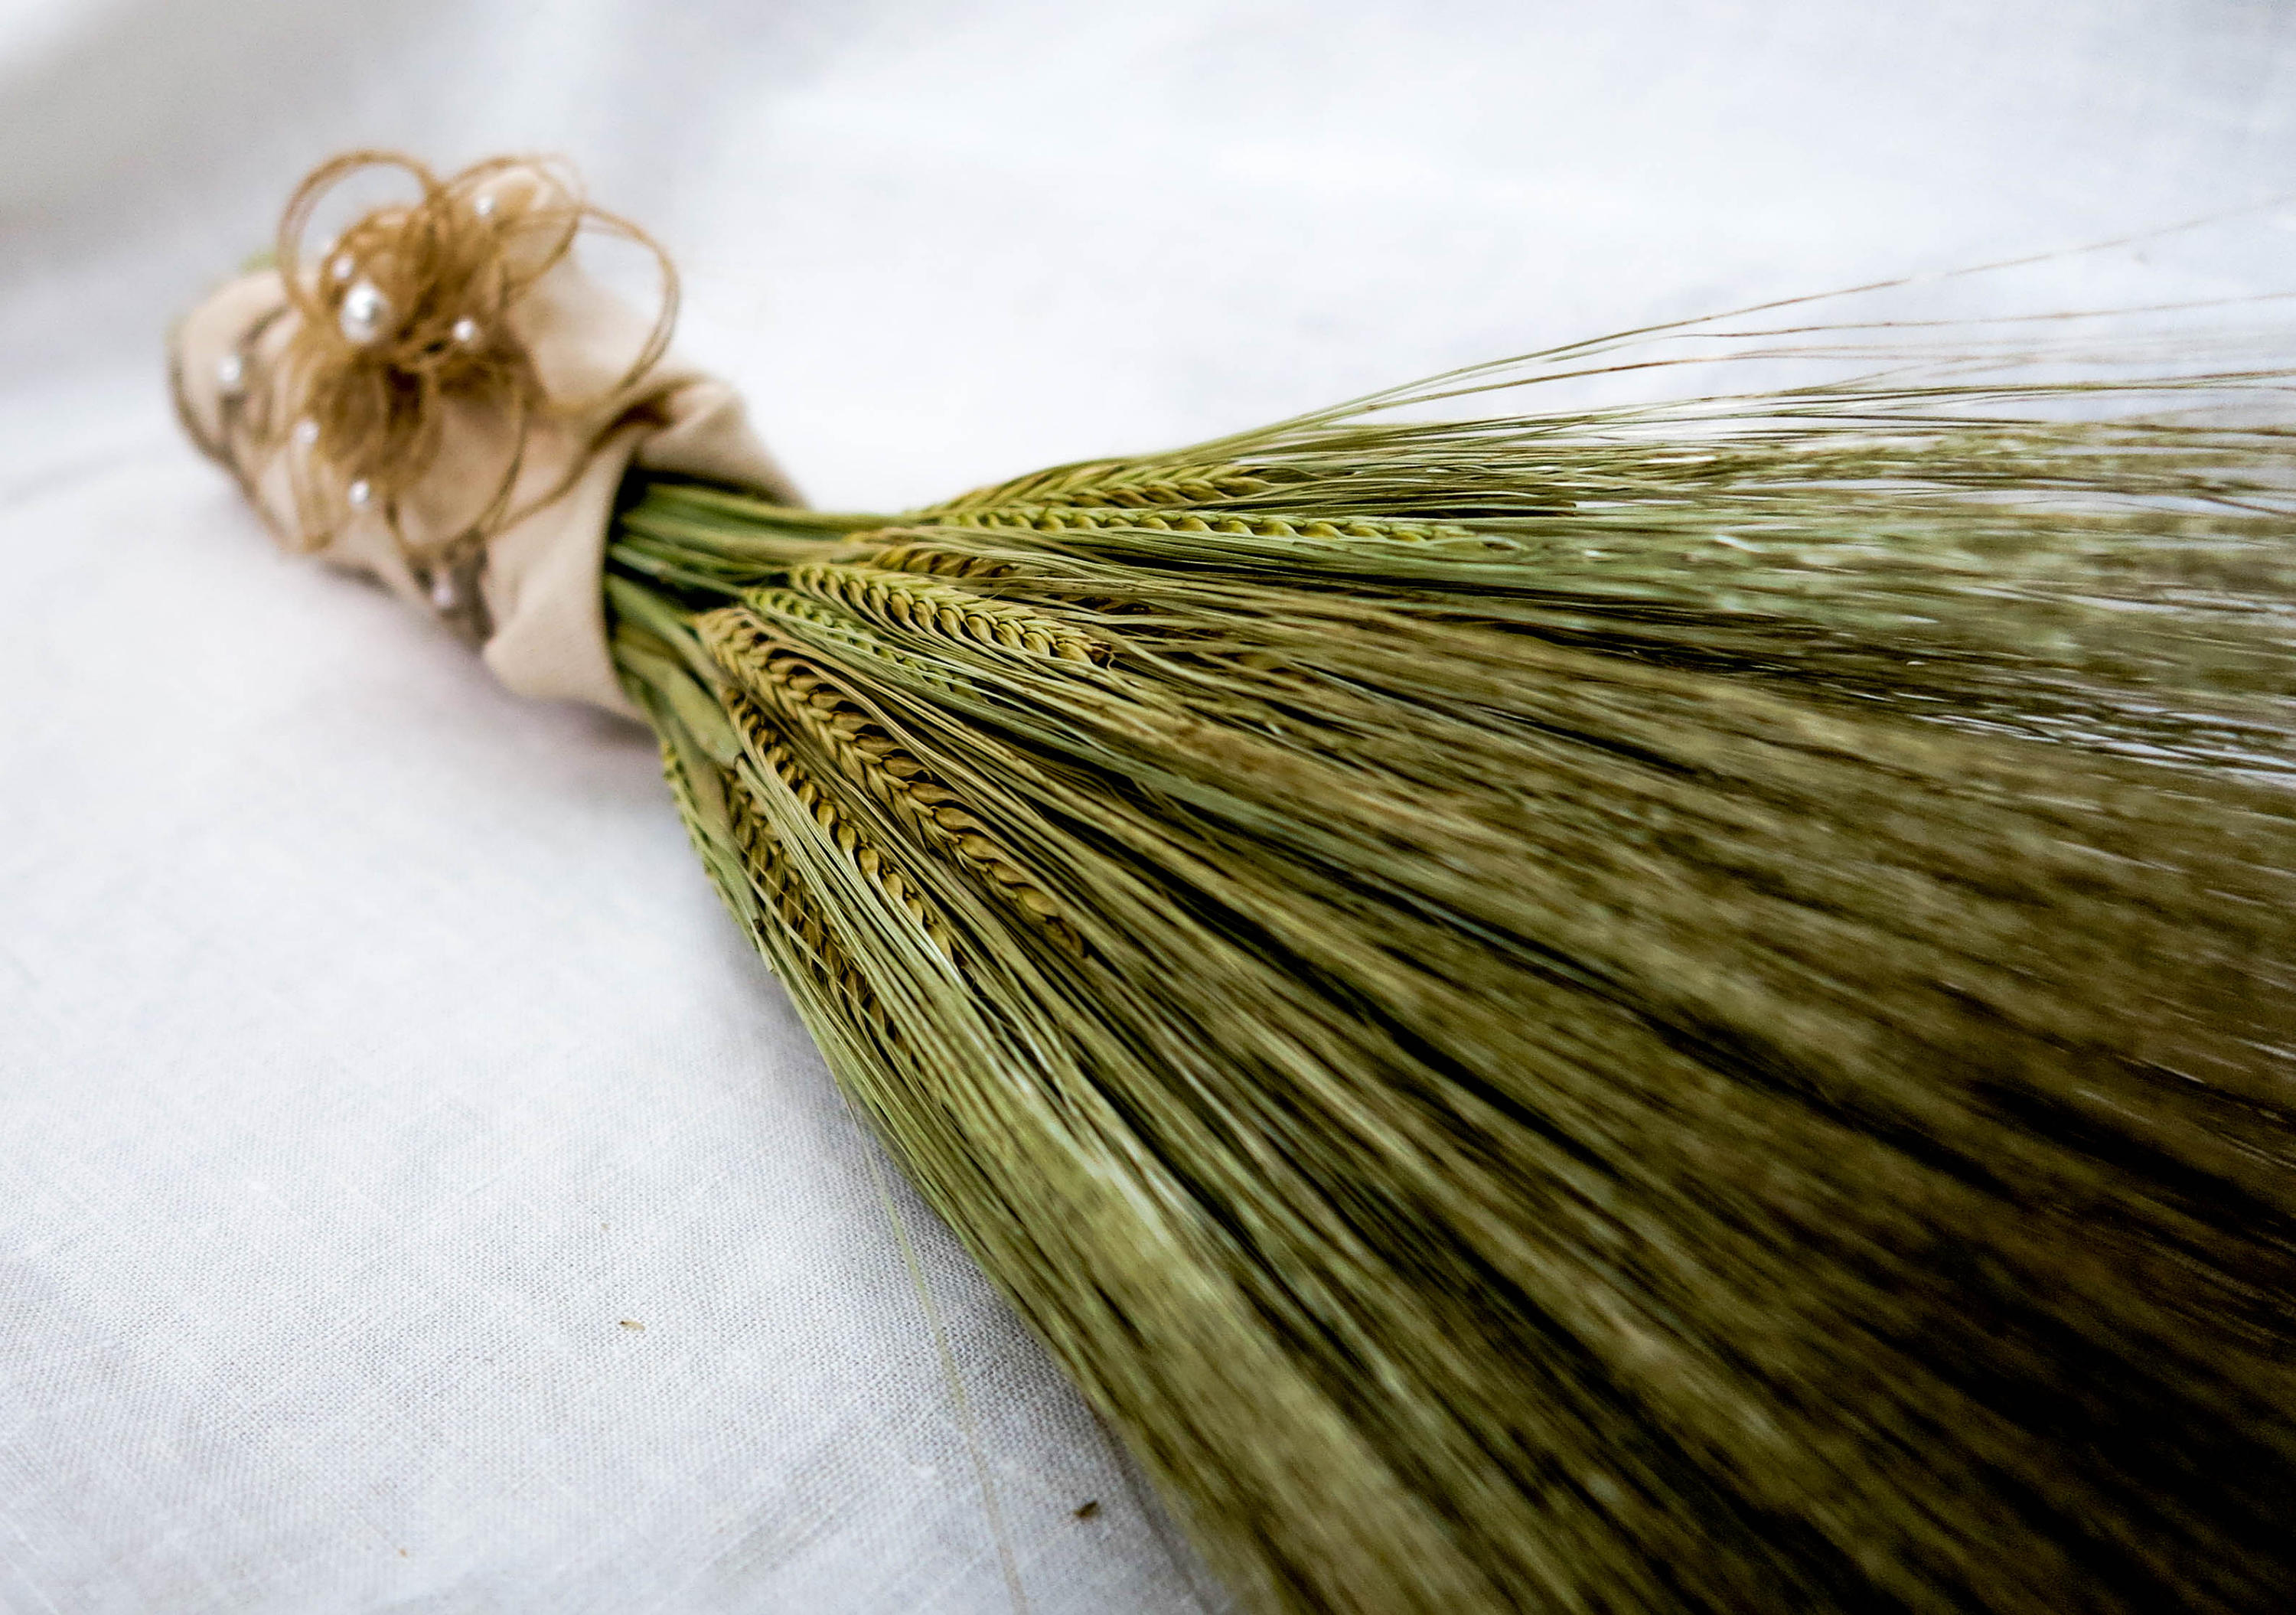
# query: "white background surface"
(371, 1047)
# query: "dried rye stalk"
(1679, 1008)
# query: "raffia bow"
(406, 316)
(444, 399)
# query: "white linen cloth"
(413, 1197)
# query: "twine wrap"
(446, 401)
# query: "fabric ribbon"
(445, 400)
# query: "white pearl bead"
(359, 492)
(466, 331)
(484, 207)
(342, 267)
(364, 312)
(231, 370)
(307, 432)
(442, 592)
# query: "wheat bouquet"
(1671, 1007)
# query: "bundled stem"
(1674, 1007)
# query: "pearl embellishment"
(484, 207)
(466, 331)
(231, 370)
(364, 314)
(307, 432)
(443, 593)
(359, 492)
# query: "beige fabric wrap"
(541, 578)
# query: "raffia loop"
(441, 397)
(409, 310)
